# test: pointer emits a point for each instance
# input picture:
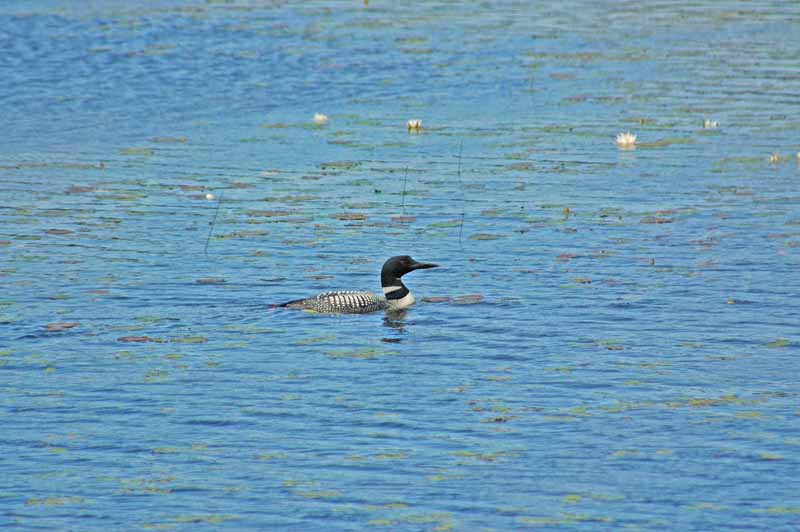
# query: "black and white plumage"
(396, 295)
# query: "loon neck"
(395, 290)
(398, 296)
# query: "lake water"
(611, 341)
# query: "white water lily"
(320, 118)
(626, 141)
(209, 196)
(710, 124)
(414, 124)
(776, 158)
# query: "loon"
(396, 295)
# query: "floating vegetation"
(484, 236)
(470, 299)
(340, 165)
(445, 225)
(564, 519)
(60, 326)
(350, 216)
(656, 220)
(584, 366)
(360, 354)
(190, 340)
(138, 339)
(210, 519)
(168, 140)
(779, 510)
(210, 280)
(316, 340)
(437, 299)
(141, 152)
(268, 214)
(318, 494)
(485, 457)
(54, 501)
(779, 343)
(626, 141)
(442, 520)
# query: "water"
(628, 363)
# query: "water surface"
(611, 341)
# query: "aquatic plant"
(626, 141)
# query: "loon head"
(396, 267)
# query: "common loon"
(396, 295)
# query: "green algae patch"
(350, 216)
(564, 519)
(779, 343)
(318, 494)
(268, 214)
(190, 340)
(445, 225)
(141, 152)
(340, 165)
(168, 140)
(392, 456)
(53, 501)
(363, 354)
(484, 457)
(139, 339)
(315, 340)
(769, 456)
(484, 236)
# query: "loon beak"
(422, 266)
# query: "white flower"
(414, 124)
(776, 158)
(320, 118)
(209, 196)
(710, 124)
(626, 141)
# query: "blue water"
(612, 339)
